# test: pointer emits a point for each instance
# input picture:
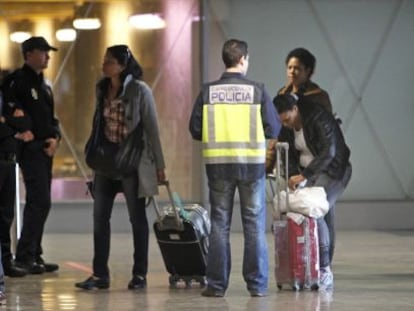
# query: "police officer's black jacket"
(27, 90)
(7, 142)
(324, 139)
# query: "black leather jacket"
(324, 139)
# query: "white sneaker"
(326, 279)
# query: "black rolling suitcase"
(182, 235)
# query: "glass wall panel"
(362, 63)
(169, 57)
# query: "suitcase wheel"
(314, 286)
(297, 287)
(203, 281)
(173, 279)
(279, 286)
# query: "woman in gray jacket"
(126, 117)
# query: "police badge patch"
(34, 94)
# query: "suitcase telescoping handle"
(179, 221)
(282, 147)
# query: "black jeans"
(105, 190)
(36, 167)
(7, 197)
(2, 287)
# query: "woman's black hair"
(123, 55)
(285, 102)
(305, 57)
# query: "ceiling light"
(147, 21)
(66, 34)
(87, 23)
(19, 36)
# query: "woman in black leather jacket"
(318, 156)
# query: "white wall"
(364, 51)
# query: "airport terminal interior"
(364, 64)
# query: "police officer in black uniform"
(29, 91)
(15, 125)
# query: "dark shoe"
(31, 267)
(209, 292)
(258, 294)
(137, 282)
(2, 298)
(11, 270)
(49, 267)
(94, 282)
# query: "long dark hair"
(285, 102)
(123, 55)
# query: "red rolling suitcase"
(182, 235)
(296, 241)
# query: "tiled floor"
(373, 271)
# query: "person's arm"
(270, 117)
(324, 131)
(151, 128)
(21, 124)
(196, 119)
(55, 121)
(14, 110)
(5, 130)
(19, 121)
(271, 128)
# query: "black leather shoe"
(49, 266)
(209, 292)
(137, 282)
(31, 267)
(94, 282)
(11, 270)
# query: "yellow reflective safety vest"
(232, 130)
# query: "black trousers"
(105, 190)
(36, 167)
(7, 197)
(2, 286)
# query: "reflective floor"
(373, 271)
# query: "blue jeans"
(253, 213)
(326, 225)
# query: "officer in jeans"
(12, 130)
(30, 92)
(232, 117)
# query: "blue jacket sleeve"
(196, 119)
(271, 121)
